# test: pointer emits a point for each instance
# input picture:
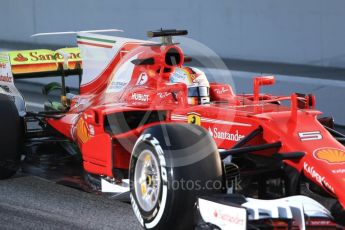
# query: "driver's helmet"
(197, 83)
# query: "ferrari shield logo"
(194, 118)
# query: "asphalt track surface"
(31, 202)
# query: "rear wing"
(45, 63)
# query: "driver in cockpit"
(197, 83)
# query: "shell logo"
(82, 131)
(330, 155)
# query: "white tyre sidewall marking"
(136, 210)
(155, 144)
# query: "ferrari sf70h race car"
(189, 153)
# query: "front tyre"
(171, 165)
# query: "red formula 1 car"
(188, 147)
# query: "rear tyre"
(11, 137)
(171, 165)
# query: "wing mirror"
(259, 81)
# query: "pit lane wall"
(308, 32)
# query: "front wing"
(238, 212)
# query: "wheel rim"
(147, 180)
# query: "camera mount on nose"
(166, 35)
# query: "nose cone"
(327, 168)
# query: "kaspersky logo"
(317, 176)
(20, 58)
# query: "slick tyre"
(11, 137)
(172, 165)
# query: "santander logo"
(236, 219)
(20, 58)
(224, 135)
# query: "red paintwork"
(228, 121)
